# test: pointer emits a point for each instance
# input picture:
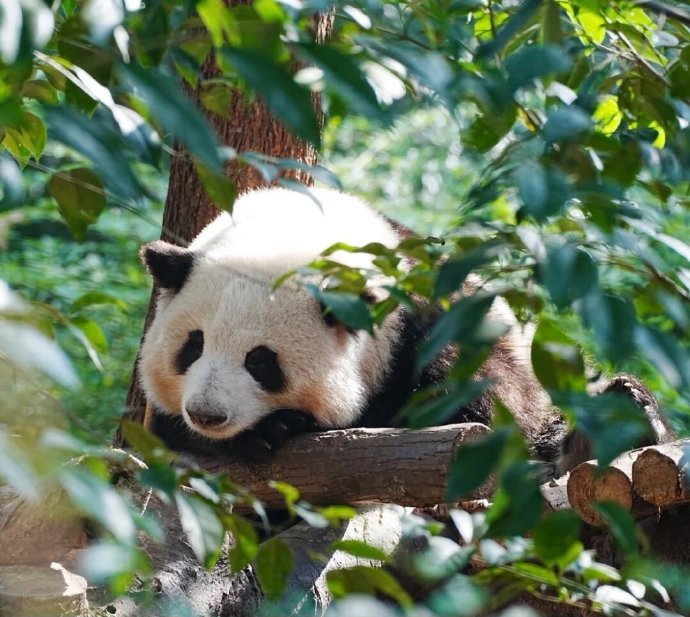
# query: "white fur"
(229, 297)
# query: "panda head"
(225, 348)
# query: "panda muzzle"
(205, 419)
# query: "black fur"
(190, 352)
(262, 364)
(168, 264)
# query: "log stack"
(641, 481)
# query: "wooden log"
(589, 484)
(659, 474)
(555, 493)
(358, 466)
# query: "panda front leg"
(259, 442)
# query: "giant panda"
(234, 357)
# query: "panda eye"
(262, 364)
(190, 352)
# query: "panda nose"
(205, 418)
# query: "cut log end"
(589, 485)
(658, 475)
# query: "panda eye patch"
(262, 364)
(190, 352)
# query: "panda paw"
(633, 388)
(260, 442)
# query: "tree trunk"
(248, 126)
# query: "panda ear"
(168, 264)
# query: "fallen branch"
(356, 466)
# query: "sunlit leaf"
(359, 548)
(364, 579)
(203, 529)
(273, 567)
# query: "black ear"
(168, 264)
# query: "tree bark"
(357, 466)
(248, 126)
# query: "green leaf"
(535, 61)
(359, 548)
(455, 270)
(337, 514)
(489, 128)
(202, 527)
(513, 26)
(556, 359)
(82, 331)
(439, 405)
(98, 499)
(622, 526)
(92, 331)
(80, 196)
(366, 580)
(613, 321)
(16, 470)
(91, 298)
(459, 596)
(218, 187)
(219, 21)
(474, 461)
(518, 503)
(569, 273)
(565, 123)
(244, 542)
(138, 134)
(348, 308)
(430, 68)
(144, 441)
(345, 77)
(289, 492)
(612, 421)
(543, 191)
(557, 538)
(273, 567)
(33, 134)
(288, 101)
(98, 141)
(664, 351)
(440, 558)
(176, 112)
(464, 322)
(40, 90)
(115, 564)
